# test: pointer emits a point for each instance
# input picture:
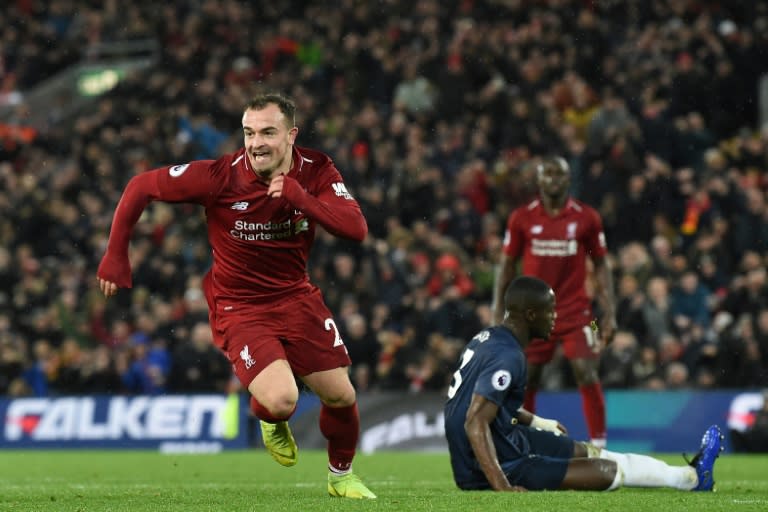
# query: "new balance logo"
(246, 357)
(241, 205)
(341, 190)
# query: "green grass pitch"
(106, 481)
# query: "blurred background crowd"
(434, 112)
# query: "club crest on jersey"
(246, 357)
(501, 380)
(301, 225)
(570, 230)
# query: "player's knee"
(341, 397)
(280, 405)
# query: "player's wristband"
(545, 424)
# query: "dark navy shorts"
(545, 466)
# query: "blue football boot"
(704, 461)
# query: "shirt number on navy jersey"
(456, 382)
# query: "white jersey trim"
(573, 204)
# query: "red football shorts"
(300, 330)
(578, 343)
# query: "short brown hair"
(284, 103)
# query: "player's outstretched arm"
(114, 270)
(480, 414)
(194, 182)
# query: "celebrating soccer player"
(553, 236)
(262, 204)
(496, 444)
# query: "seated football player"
(496, 444)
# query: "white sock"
(618, 480)
(338, 472)
(644, 471)
(600, 443)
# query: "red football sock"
(341, 427)
(593, 402)
(529, 401)
(263, 414)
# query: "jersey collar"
(296, 166)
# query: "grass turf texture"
(250, 480)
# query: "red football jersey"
(555, 249)
(260, 244)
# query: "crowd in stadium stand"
(433, 111)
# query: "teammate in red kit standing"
(263, 204)
(553, 236)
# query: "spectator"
(617, 361)
(415, 93)
(657, 312)
(197, 366)
(690, 303)
(148, 366)
(363, 350)
(449, 279)
(99, 374)
(513, 96)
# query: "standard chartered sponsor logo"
(259, 231)
(559, 248)
(255, 231)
